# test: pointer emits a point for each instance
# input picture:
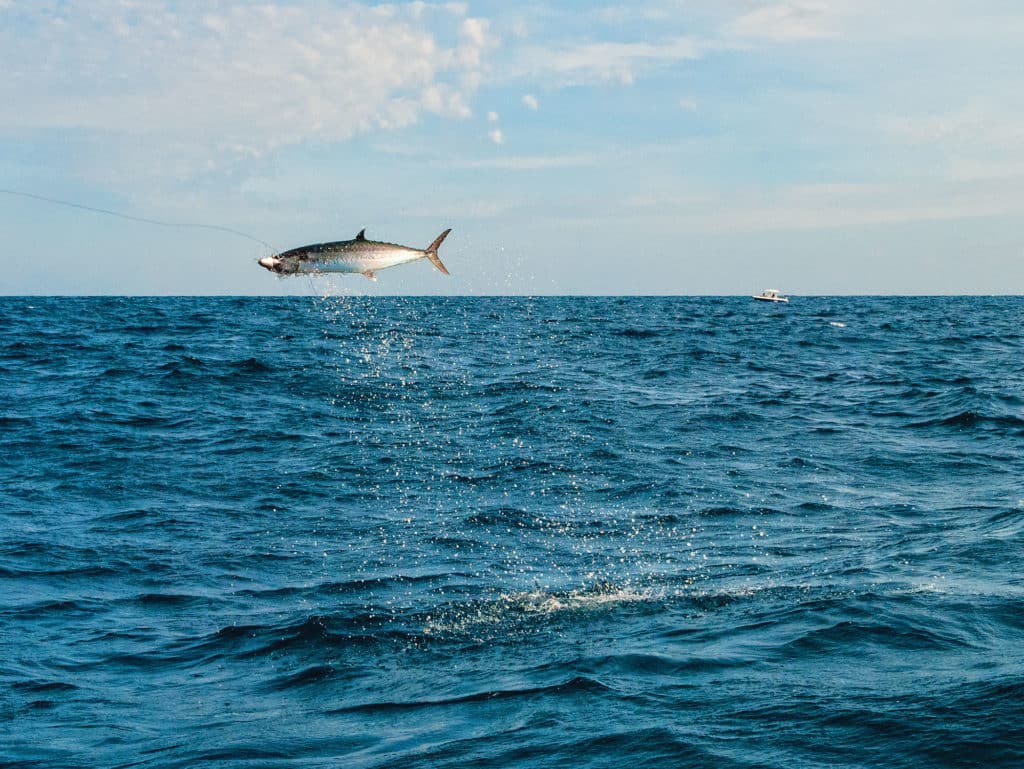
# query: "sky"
(657, 147)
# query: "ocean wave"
(251, 366)
(639, 333)
(508, 616)
(42, 687)
(972, 419)
(850, 635)
(314, 676)
(573, 686)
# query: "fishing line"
(142, 219)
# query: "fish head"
(272, 263)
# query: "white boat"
(771, 295)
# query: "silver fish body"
(358, 255)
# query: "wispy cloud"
(530, 102)
(234, 77)
(971, 143)
(496, 136)
(530, 162)
(790, 21)
(971, 124)
(601, 62)
(810, 207)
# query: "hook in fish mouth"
(272, 263)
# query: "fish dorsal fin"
(362, 234)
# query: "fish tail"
(432, 252)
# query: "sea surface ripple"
(511, 532)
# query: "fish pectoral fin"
(370, 275)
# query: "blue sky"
(655, 147)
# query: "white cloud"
(974, 142)
(627, 14)
(519, 28)
(496, 136)
(789, 21)
(984, 127)
(492, 117)
(530, 102)
(531, 162)
(475, 31)
(688, 104)
(810, 207)
(589, 63)
(232, 77)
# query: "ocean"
(512, 532)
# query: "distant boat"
(771, 295)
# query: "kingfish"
(357, 255)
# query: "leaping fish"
(357, 255)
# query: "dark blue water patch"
(973, 419)
(250, 366)
(521, 532)
(43, 686)
(575, 685)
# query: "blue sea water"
(511, 532)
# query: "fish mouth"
(272, 263)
